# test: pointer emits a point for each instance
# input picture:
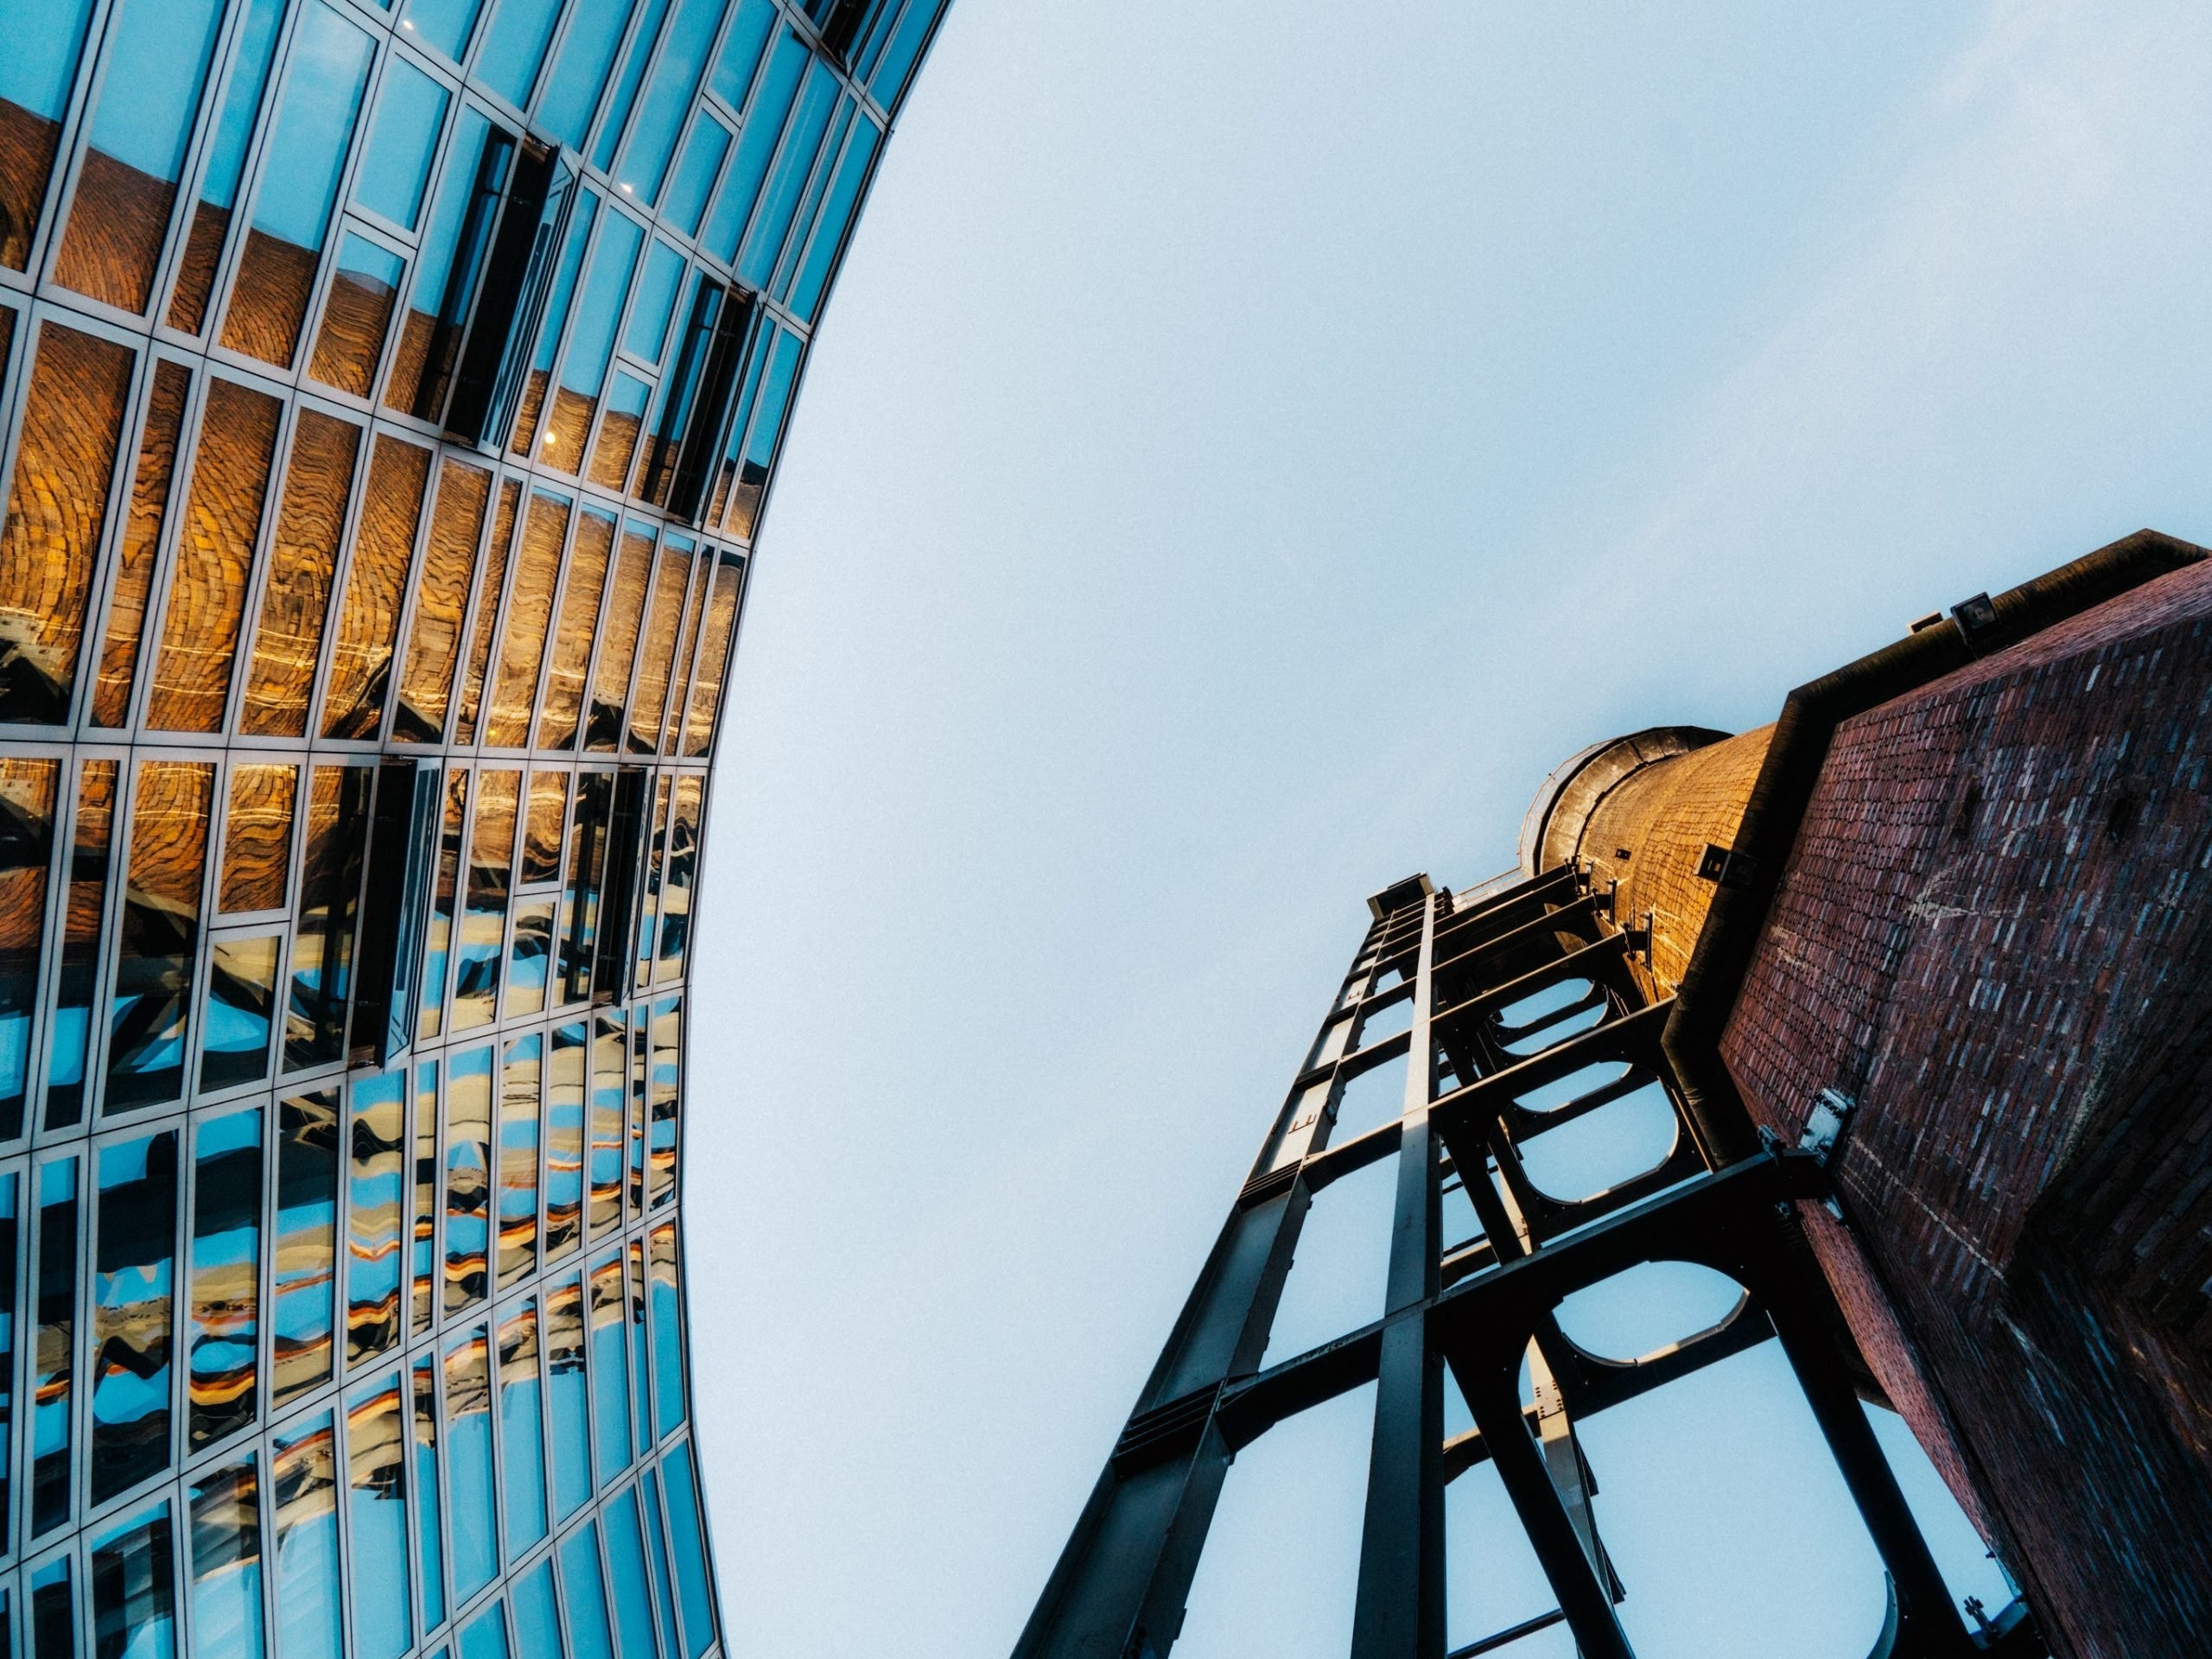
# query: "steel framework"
(1473, 1312)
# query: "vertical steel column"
(1400, 1611)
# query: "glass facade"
(388, 393)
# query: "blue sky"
(1249, 445)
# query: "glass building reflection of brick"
(387, 396)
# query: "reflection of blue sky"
(40, 61)
(324, 74)
(156, 69)
(397, 165)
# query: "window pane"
(713, 657)
(656, 1558)
(214, 557)
(258, 837)
(529, 615)
(668, 1333)
(518, 1109)
(610, 1370)
(469, 1175)
(586, 873)
(889, 79)
(625, 89)
(667, 96)
(767, 426)
(583, 370)
(411, 109)
(10, 1186)
(756, 146)
(695, 175)
(376, 1430)
(633, 1614)
(54, 1614)
(694, 615)
(140, 543)
(306, 1243)
(356, 316)
(610, 1089)
(573, 639)
(323, 938)
(53, 1345)
(226, 1276)
(579, 72)
(487, 611)
(641, 1361)
(741, 49)
(586, 1594)
(156, 67)
(305, 1472)
(219, 179)
(538, 1621)
(611, 452)
(541, 846)
(70, 1036)
(422, 1265)
(691, 1552)
(325, 74)
(515, 46)
(564, 1142)
(72, 420)
(241, 1011)
(564, 1354)
(437, 949)
(563, 290)
(468, 1464)
(521, 1438)
(295, 601)
(675, 920)
(443, 25)
(37, 74)
(424, 1389)
(646, 336)
(376, 589)
(226, 1561)
(440, 603)
(666, 1086)
(672, 583)
(429, 341)
(780, 196)
(134, 1589)
(134, 1279)
(28, 792)
(484, 918)
(618, 645)
(643, 971)
(485, 1637)
(376, 1203)
(531, 957)
(836, 214)
(160, 933)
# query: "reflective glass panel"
(531, 957)
(522, 1436)
(564, 1357)
(206, 605)
(322, 937)
(226, 1276)
(586, 872)
(610, 1089)
(376, 589)
(257, 836)
(141, 543)
(694, 174)
(538, 1618)
(36, 73)
(756, 146)
(241, 1011)
(134, 1589)
(591, 343)
(641, 1360)
(325, 74)
(376, 1458)
(442, 25)
(485, 1636)
(518, 1109)
(688, 1537)
(469, 1175)
(564, 1141)
(666, 1087)
(429, 1532)
(713, 657)
(573, 638)
(376, 1204)
(780, 196)
(834, 218)
(448, 264)
(10, 1242)
(306, 1243)
(686, 652)
(618, 642)
(396, 166)
(657, 1556)
(556, 319)
(28, 792)
(219, 179)
(304, 1471)
(529, 615)
(647, 335)
(541, 846)
(226, 1560)
(160, 933)
(618, 427)
(53, 1613)
(634, 1613)
(356, 314)
(766, 426)
(52, 1371)
(514, 47)
(580, 72)
(70, 1034)
(442, 603)
(134, 1282)
(423, 1233)
(468, 1464)
(487, 610)
(438, 940)
(656, 651)
(586, 1589)
(610, 1369)
(484, 916)
(888, 78)
(668, 1333)
(157, 60)
(667, 97)
(57, 507)
(295, 599)
(642, 41)
(655, 857)
(675, 918)
(741, 49)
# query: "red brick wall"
(1992, 933)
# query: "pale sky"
(1248, 447)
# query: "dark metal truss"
(1468, 1314)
